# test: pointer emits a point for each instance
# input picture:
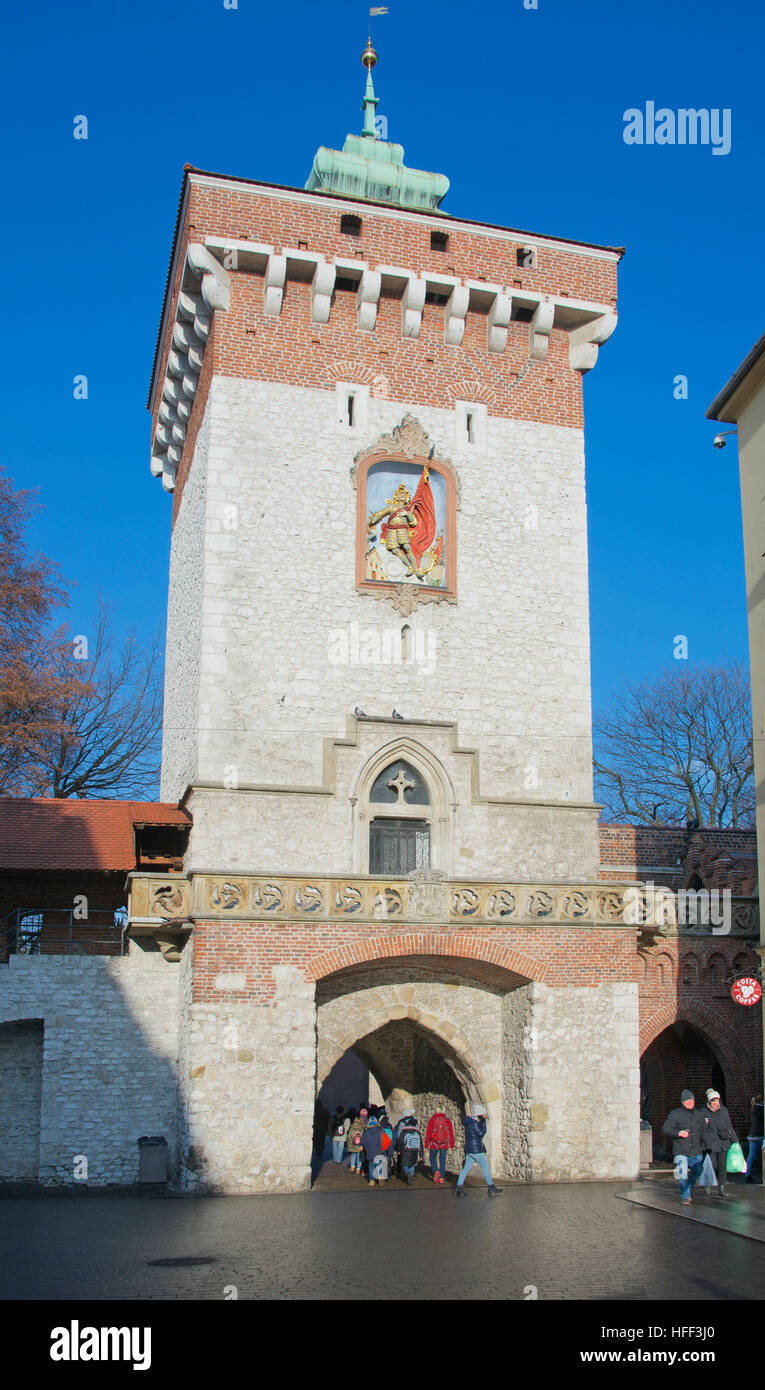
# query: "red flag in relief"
(424, 509)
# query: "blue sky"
(523, 110)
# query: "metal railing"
(46, 931)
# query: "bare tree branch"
(678, 748)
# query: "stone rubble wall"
(109, 1061)
(517, 1026)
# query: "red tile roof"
(98, 836)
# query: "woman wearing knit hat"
(718, 1135)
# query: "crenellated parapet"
(204, 290)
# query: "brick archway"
(714, 1031)
(457, 946)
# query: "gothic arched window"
(399, 843)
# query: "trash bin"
(646, 1144)
(152, 1158)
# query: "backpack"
(357, 1138)
(440, 1132)
(340, 1128)
(386, 1137)
(411, 1139)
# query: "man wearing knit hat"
(685, 1126)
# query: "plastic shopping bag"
(708, 1176)
(681, 1167)
(735, 1162)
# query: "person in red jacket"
(439, 1139)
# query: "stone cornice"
(204, 290)
(399, 727)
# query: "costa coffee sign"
(746, 990)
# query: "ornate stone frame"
(439, 813)
(408, 443)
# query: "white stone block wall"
(585, 1083)
(109, 1060)
(249, 1088)
(511, 657)
(180, 722)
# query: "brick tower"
(377, 703)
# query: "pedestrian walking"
(409, 1147)
(439, 1139)
(755, 1135)
(685, 1127)
(386, 1139)
(353, 1142)
(475, 1152)
(371, 1143)
(717, 1136)
(338, 1128)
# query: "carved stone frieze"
(425, 895)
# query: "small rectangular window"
(351, 400)
(350, 226)
(526, 256)
(439, 241)
(469, 426)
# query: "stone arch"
(375, 1018)
(440, 812)
(460, 946)
(408, 997)
(418, 1059)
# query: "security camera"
(719, 441)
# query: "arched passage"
(408, 1068)
(680, 1056)
(435, 1033)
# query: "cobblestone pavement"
(568, 1241)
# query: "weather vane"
(378, 9)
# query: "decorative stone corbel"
(205, 290)
(367, 299)
(273, 285)
(215, 281)
(322, 285)
(454, 319)
(540, 329)
(498, 321)
(412, 305)
(583, 343)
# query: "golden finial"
(369, 56)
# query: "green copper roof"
(374, 169)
